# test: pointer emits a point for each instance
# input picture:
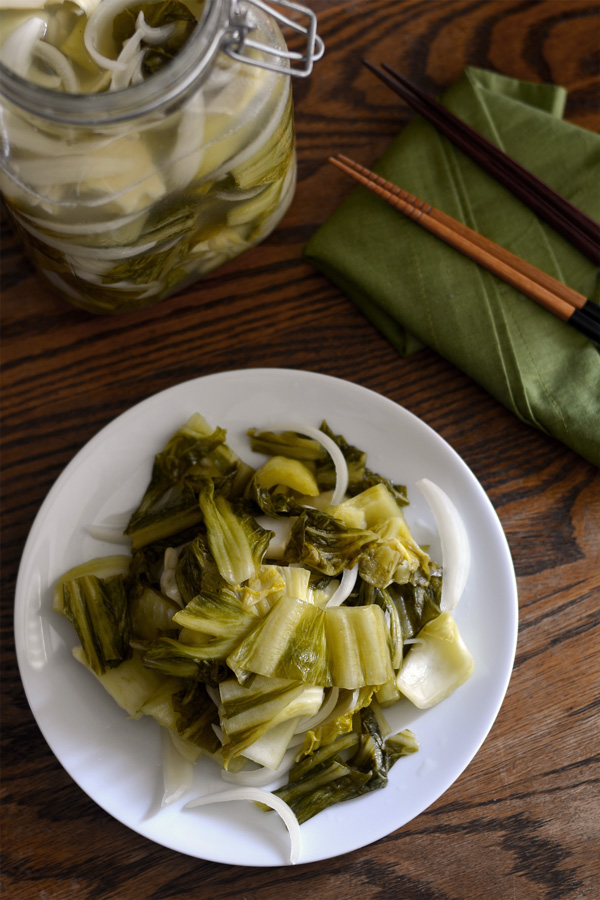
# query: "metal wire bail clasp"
(237, 40)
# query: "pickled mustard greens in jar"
(121, 205)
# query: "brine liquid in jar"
(121, 208)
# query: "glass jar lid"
(224, 27)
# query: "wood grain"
(522, 821)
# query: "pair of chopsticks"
(573, 224)
(557, 298)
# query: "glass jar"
(127, 186)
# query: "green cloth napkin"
(417, 290)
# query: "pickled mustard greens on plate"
(274, 658)
(119, 214)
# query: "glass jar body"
(118, 214)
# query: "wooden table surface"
(522, 820)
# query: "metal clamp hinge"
(237, 39)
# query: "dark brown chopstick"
(564, 302)
(573, 224)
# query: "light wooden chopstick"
(553, 295)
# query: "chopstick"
(556, 297)
(572, 223)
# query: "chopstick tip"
(342, 162)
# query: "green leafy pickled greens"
(251, 660)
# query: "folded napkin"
(417, 290)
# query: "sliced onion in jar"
(131, 58)
(59, 64)
(80, 228)
(150, 34)
(132, 55)
(100, 18)
(17, 50)
(257, 795)
(188, 150)
(456, 553)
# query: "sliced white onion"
(341, 467)
(151, 287)
(282, 529)
(235, 196)
(456, 553)
(218, 731)
(133, 73)
(151, 35)
(71, 170)
(344, 590)
(132, 55)
(100, 18)
(178, 772)
(296, 741)
(79, 228)
(28, 137)
(249, 151)
(261, 776)
(214, 695)
(87, 6)
(286, 196)
(131, 58)
(107, 534)
(18, 48)
(188, 148)
(257, 795)
(59, 64)
(21, 4)
(328, 706)
(111, 529)
(168, 583)
(81, 252)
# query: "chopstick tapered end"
(346, 165)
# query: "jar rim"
(188, 69)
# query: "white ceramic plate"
(116, 761)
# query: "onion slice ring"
(100, 18)
(59, 64)
(178, 772)
(456, 552)
(344, 589)
(19, 47)
(262, 776)
(326, 709)
(257, 795)
(339, 462)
